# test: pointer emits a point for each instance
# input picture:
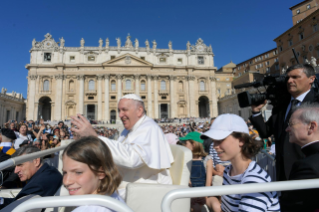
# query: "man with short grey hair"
(43, 179)
(303, 129)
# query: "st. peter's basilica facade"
(63, 81)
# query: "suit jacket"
(286, 153)
(45, 182)
(307, 168)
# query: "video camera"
(276, 90)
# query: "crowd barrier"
(266, 162)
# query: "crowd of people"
(102, 161)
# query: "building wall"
(306, 46)
(12, 107)
(302, 10)
(70, 71)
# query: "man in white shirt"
(142, 152)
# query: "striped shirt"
(263, 201)
(214, 155)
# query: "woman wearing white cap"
(232, 142)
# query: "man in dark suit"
(299, 80)
(303, 130)
(42, 179)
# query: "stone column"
(137, 84)
(81, 93)
(58, 96)
(149, 96)
(172, 96)
(31, 97)
(106, 97)
(214, 97)
(191, 98)
(155, 78)
(186, 95)
(36, 111)
(99, 96)
(119, 93)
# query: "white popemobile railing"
(45, 202)
(68, 201)
(235, 189)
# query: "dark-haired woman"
(233, 143)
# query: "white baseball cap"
(224, 125)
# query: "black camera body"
(276, 91)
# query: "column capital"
(137, 76)
(172, 77)
(212, 79)
(99, 76)
(149, 76)
(191, 78)
(80, 77)
(59, 76)
(106, 76)
(155, 77)
(33, 77)
(119, 76)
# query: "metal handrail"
(24, 158)
(69, 201)
(268, 155)
(235, 189)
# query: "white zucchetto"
(131, 96)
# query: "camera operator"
(299, 79)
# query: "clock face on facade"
(200, 48)
(48, 44)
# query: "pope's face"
(129, 113)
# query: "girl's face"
(229, 148)
(189, 145)
(78, 177)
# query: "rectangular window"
(298, 11)
(143, 58)
(17, 116)
(112, 57)
(277, 67)
(91, 58)
(251, 62)
(163, 97)
(8, 115)
(267, 63)
(91, 97)
(72, 59)
(143, 97)
(179, 61)
(308, 7)
(200, 60)
(113, 97)
(290, 43)
(162, 60)
(267, 69)
(47, 57)
(280, 48)
(315, 28)
(301, 36)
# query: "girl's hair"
(198, 149)
(96, 154)
(250, 147)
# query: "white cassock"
(142, 154)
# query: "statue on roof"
(118, 41)
(147, 44)
(188, 45)
(136, 43)
(82, 42)
(154, 44)
(107, 43)
(100, 43)
(33, 42)
(128, 42)
(170, 45)
(62, 41)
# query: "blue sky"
(236, 29)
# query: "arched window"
(113, 88)
(128, 84)
(46, 85)
(163, 85)
(143, 85)
(71, 85)
(91, 85)
(202, 86)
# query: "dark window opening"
(91, 97)
(113, 97)
(47, 57)
(163, 97)
(143, 97)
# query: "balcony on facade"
(90, 92)
(70, 91)
(46, 92)
(203, 91)
(163, 92)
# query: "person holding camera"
(299, 79)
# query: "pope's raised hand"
(82, 126)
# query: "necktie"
(293, 104)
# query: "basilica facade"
(64, 81)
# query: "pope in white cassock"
(142, 152)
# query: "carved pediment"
(127, 60)
(70, 102)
